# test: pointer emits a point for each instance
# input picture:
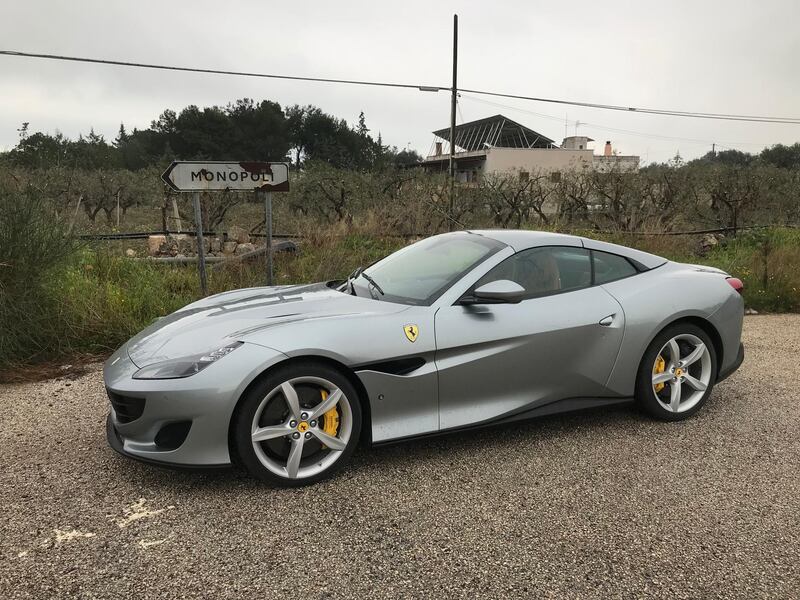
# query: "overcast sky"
(722, 56)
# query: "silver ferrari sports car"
(456, 331)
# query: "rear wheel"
(677, 373)
(298, 425)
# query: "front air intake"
(172, 435)
(126, 408)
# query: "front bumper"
(199, 406)
(117, 443)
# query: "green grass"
(99, 298)
(768, 263)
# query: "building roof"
(497, 131)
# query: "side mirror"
(501, 290)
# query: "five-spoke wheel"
(677, 372)
(298, 424)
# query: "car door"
(559, 342)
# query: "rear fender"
(653, 300)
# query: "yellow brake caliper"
(330, 420)
(661, 366)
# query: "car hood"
(241, 314)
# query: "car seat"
(538, 273)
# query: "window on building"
(555, 176)
(544, 271)
(610, 267)
(524, 176)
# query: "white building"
(499, 145)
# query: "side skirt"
(551, 408)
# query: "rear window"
(610, 267)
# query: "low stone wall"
(235, 242)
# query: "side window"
(544, 271)
(610, 267)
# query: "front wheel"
(677, 373)
(298, 425)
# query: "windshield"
(420, 273)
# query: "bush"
(767, 263)
(34, 246)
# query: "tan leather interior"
(539, 273)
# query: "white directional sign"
(188, 176)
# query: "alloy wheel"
(301, 427)
(681, 373)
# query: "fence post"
(176, 214)
(201, 249)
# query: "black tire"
(271, 449)
(645, 393)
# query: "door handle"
(606, 321)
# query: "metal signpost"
(268, 229)
(209, 176)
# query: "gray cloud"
(715, 56)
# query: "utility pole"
(453, 101)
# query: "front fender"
(206, 399)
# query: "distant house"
(500, 145)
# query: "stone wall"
(236, 242)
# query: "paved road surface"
(594, 504)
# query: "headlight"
(178, 368)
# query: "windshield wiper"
(372, 281)
(350, 279)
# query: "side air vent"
(398, 366)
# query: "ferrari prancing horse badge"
(412, 331)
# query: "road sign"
(208, 176)
(219, 176)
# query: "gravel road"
(594, 504)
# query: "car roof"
(521, 239)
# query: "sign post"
(268, 228)
(213, 176)
(201, 247)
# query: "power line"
(121, 63)
(613, 129)
(425, 88)
(648, 111)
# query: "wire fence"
(143, 235)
